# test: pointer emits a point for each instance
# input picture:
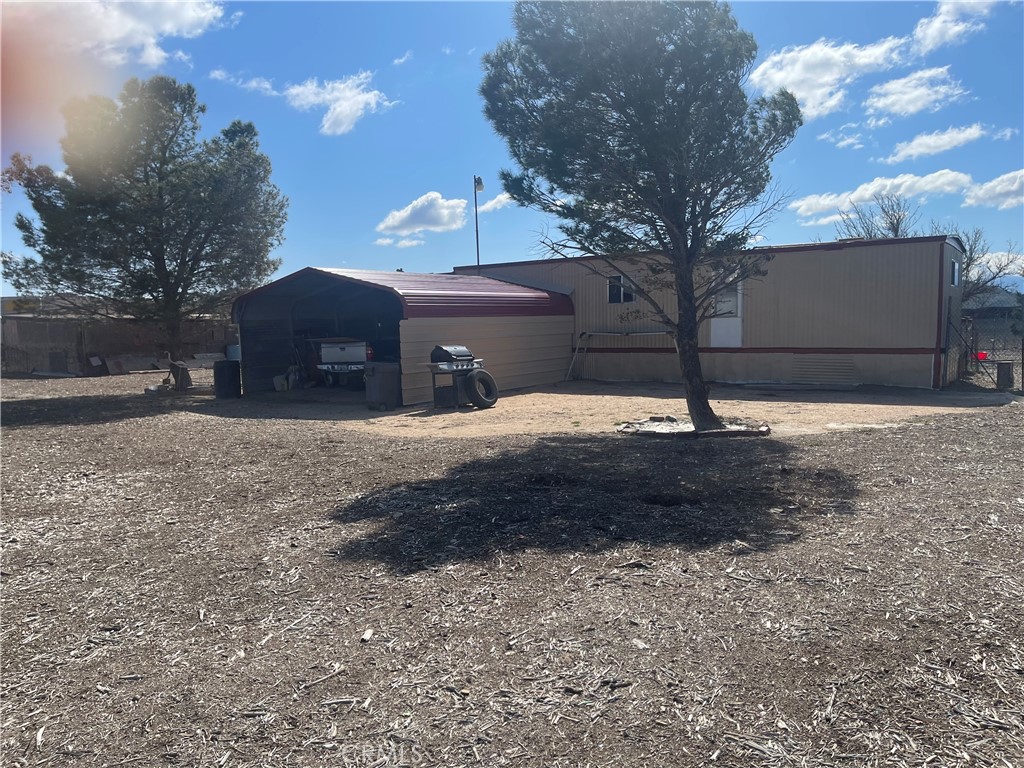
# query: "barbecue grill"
(453, 357)
(470, 383)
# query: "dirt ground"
(576, 407)
(586, 407)
(292, 580)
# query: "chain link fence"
(983, 343)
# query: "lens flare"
(40, 71)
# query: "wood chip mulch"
(192, 582)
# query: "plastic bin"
(383, 386)
(1004, 374)
(227, 379)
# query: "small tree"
(894, 215)
(146, 221)
(889, 216)
(982, 268)
(629, 122)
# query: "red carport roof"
(434, 295)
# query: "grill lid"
(450, 353)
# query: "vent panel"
(824, 369)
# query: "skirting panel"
(895, 370)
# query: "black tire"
(481, 389)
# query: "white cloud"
(261, 85)
(152, 55)
(447, 50)
(402, 59)
(429, 213)
(926, 144)
(497, 203)
(1006, 191)
(997, 260)
(1005, 134)
(405, 242)
(824, 221)
(944, 182)
(952, 23)
(346, 100)
(818, 73)
(929, 89)
(257, 84)
(841, 138)
(116, 33)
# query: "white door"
(726, 328)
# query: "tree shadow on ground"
(93, 409)
(325, 405)
(588, 494)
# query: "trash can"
(383, 386)
(227, 379)
(1004, 374)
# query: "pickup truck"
(343, 360)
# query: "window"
(954, 273)
(618, 291)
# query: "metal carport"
(523, 334)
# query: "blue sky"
(371, 116)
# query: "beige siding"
(517, 351)
(844, 301)
(881, 296)
(629, 366)
(952, 312)
(589, 293)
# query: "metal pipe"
(478, 186)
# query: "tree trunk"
(172, 328)
(701, 414)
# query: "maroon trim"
(435, 296)
(825, 350)
(771, 350)
(626, 350)
(937, 363)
